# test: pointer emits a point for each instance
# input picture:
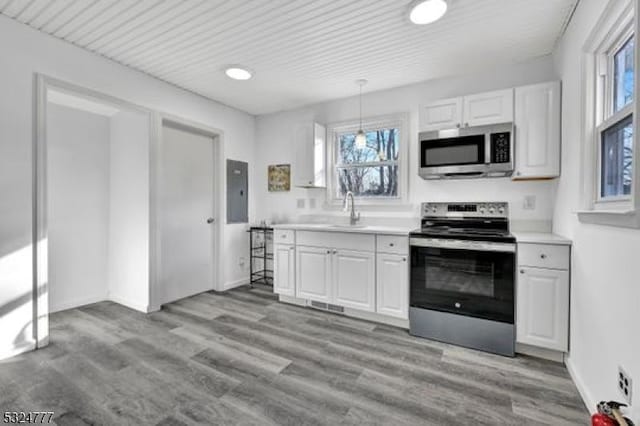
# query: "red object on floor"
(602, 420)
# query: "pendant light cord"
(360, 106)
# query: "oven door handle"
(463, 244)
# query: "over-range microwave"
(468, 152)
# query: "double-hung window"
(374, 170)
(615, 138)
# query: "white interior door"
(187, 222)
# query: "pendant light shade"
(361, 137)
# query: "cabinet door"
(543, 308)
(537, 131)
(310, 166)
(284, 269)
(392, 285)
(313, 273)
(488, 108)
(444, 114)
(354, 279)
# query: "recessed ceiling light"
(428, 11)
(238, 73)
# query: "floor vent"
(335, 308)
(319, 305)
(326, 307)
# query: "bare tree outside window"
(370, 171)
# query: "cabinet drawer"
(337, 240)
(543, 256)
(283, 236)
(396, 244)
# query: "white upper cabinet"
(310, 167)
(537, 131)
(444, 114)
(473, 110)
(488, 108)
(354, 279)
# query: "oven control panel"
(491, 209)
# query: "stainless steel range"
(463, 276)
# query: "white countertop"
(540, 238)
(359, 229)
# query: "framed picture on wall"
(279, 177)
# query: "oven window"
(463, 150)
(464, 275)
(467, 282)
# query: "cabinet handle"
(335, 252)
(404, 259)
(328, 251)
(291, 248)
(391, 244)
(522, 271)
(518, 173)
(458, 125)
(543, 256)
(466, 124)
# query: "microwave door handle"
(487, 148)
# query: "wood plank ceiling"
(302, 51)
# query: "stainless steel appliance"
(463, 276)
(468, 152)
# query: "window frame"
(616, 25)
(334, 130)
(607, 117)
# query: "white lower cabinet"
(392, 285)
(354, 279)
(543, 308)
(313, 273)
(284, 261)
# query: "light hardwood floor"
(242, 358)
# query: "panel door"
(313, 273)
(354, 279)
(444, 114)
(488, 108)
(392, 285)
(537, 120)
(543, 308)
(284, 269)
(186, 214)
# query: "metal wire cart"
(261, 257)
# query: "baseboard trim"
(135, 306)
(586, 396)
(233, 284)
(76, 303)
(543, 353)
(353, 313)
(22, 348)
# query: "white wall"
(605, 294)
(26, 51)
(129, 210)
(78, 206)
(275, 145)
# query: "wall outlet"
(625, 385)
(529, 202)
(312, 203)
(300, 203)
(242, 262)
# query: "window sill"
(624, 218)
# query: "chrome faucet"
(353, 218)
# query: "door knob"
(210, 220)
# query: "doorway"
(188, 211)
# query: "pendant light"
(361, 137)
